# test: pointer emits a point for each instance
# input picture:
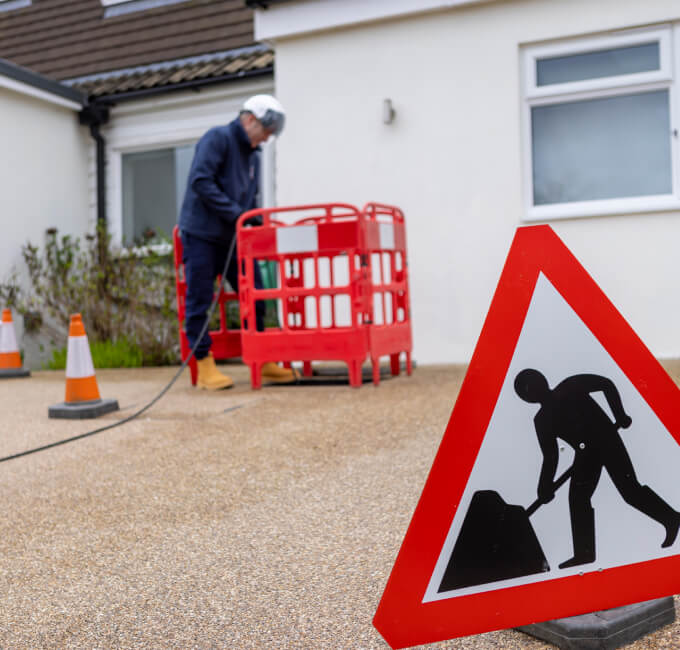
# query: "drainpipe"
(95, 115)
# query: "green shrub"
(127, 299)
(10, 292)
(105, 354)
(58, 360)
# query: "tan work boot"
(273, 372)
(209, 377)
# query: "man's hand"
(624, 422)
(255, 220)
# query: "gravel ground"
(242, 519)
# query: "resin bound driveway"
(241, 519)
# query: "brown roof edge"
(166, 64)
(176, 74)
(193, 84)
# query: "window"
(153, 186)
(598, 126)
(119, 7)
(8, 5)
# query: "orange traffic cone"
(10, 359)
(82, 393)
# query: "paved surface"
(201, 525)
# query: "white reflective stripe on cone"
(8, 341)
(78, 358)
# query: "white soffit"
(295, 18)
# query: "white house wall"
(452, 159)
(43, 172)
(311, 15)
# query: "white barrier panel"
(297, 239)
(386, 236)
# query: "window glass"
(601, 148)
(594, 65)
(153, 189)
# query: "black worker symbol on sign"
(497, 541)
(570, 413)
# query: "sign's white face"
(556, 342)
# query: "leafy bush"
(127, 299)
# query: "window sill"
(584, 209)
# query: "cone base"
(82, 410)
(6, 373)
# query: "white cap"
(268, 111)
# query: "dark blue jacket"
(222, 183)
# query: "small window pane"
(602, 148)
(594, 65)
(183, 159)
(153, 188)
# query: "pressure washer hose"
(155, 399)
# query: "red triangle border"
(402, 618)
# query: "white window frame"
(668, 39)
(266, 188)
(117, 159)
(177, 120)
(120, 7)
(10, 5)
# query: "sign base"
(605, 630)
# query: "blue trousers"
(204, 262)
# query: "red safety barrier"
(226, 343)
(332, 305)
(385, 242)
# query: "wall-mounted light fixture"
(388, 112)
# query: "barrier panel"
(332, 305)
(226, 343)
(385, 241)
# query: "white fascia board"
(26, 89)
(294, 19)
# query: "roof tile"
(64, 39)
(206, 68)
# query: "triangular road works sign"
(555, 489)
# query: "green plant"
(121, 353)
(122, 295)
(10, 292)
(58, 360)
